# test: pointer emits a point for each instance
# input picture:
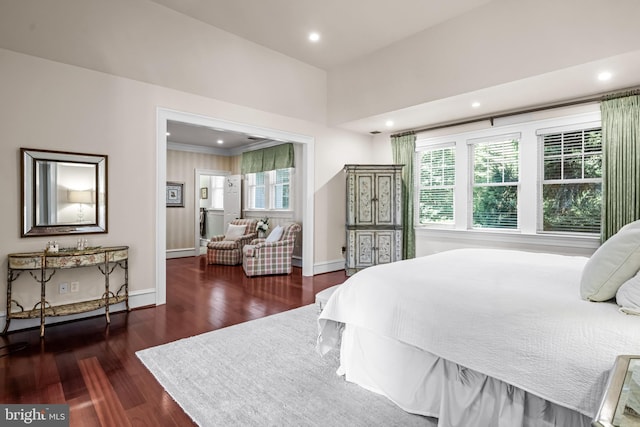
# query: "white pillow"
(615, 262)
(628, 296)
(275, 234)
(234, 231)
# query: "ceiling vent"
(374, 132)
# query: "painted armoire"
(374, 215)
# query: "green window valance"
(268, 159)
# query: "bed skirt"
(422, 383)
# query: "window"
(269, 190)
(495, 182)
(572, 181)
(437, 178)
(217, 192)
(281, 189)
(256, 190)
(528, 177)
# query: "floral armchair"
(262, 257)
(229, 251)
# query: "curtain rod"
(577, 101)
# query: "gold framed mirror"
(63, 193)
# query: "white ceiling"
(192, 135)
(348, 29)
(558, 87)
(351, 29)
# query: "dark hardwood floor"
(93, 367)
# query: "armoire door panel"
(384, 195)
(365, 242)
(384, 247)
(364, 200)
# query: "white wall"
(500, 42)
(145, 41)
(50, 105)
(433, 240)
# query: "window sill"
(561, 240)
(270, 213)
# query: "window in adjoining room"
(495, 165)
(269, 190)
(437, 179)
(217, 192)
(571, 196)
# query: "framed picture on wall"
(175, 194)
(204, 193)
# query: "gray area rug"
(266, 372)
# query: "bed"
(480, 337)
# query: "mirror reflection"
(63, 193)
(628, 409)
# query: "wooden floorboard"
(93, 367)
(106, 402)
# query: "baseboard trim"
(181, 253)
(328, 266)
(142, 298)
(296, 261)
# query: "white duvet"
(515, 316)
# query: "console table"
(43, 265)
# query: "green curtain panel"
(251, 162)
(404, 148)
(620, 162)
(268, 159)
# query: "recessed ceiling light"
(314, 37)
(220, 141)
(604, 76)
(389, 123)
(475, 104)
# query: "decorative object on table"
(263, 227)
(82, 244)
(227, 248)
(264, 257)
(175, 194)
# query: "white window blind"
(495, 182)
(437, 176)
(281, 189)
(256, 190)
(572, 181)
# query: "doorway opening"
(306, 169)
(213, 206)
